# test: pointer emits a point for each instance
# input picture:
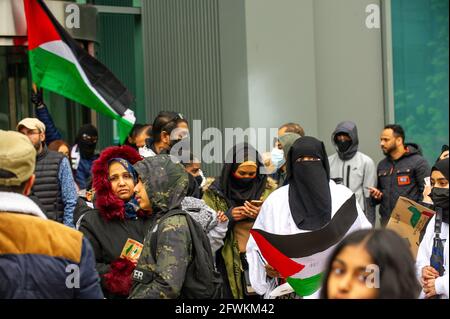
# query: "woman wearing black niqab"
(311, 204)
(309, 177)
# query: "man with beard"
(355, 169)
(54, 186)
(400, 173)
(83, 154)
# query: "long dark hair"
(164, 122)
(393, 257)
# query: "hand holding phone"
(252, 208)
(257, 203)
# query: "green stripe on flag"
(307, 286)
(124, 128)
(61, 76)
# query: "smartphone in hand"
(257, 203)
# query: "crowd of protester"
(140, 222)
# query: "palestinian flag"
(301, 258)
(58, 63)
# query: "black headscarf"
(440, 195)
(237, 191)
(309, 190)
(443, 149)
(442, 166)
(87, 148)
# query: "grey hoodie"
(356, 169)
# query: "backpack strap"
(154, 236)
(438, 222)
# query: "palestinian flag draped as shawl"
(301, 258)
(59, 64)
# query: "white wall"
(349, 71)
(280, 59)
(314, 62)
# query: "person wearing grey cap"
(54, 186)
(38, 257)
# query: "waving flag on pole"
(59, 64)
(301, 258)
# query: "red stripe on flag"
(284, 265)
(40, 27)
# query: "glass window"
(14, 86)
(420, 54)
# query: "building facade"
(257, 63)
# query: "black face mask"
(193, 188)
(343, 146)
(87, 140)
(238, 190)
(174, 142)
(87, 149)
(440, 199)
(243, 181)
(181, 145)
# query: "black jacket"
(47, 187)
(108, 238)
(403, 177)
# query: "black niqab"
(309, 190)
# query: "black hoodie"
(403, 177)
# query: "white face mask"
(146, 152)
(278, 159)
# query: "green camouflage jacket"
(162, 277)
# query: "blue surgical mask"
(278, 159)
